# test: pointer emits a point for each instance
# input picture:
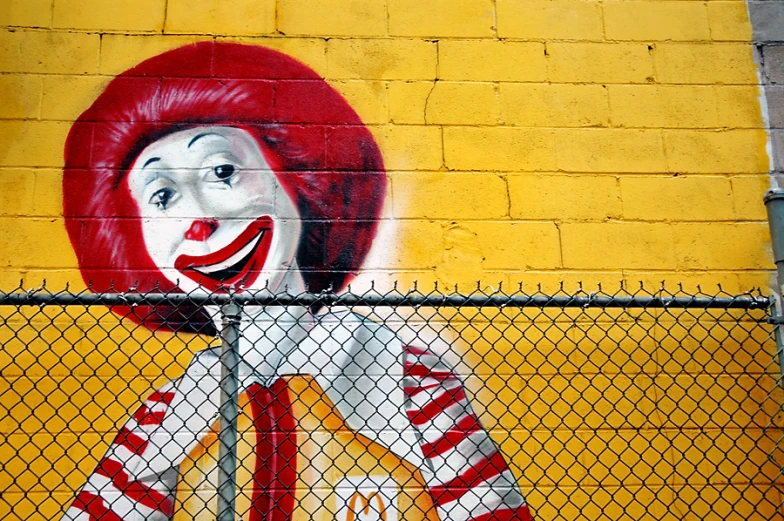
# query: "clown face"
(213, 212)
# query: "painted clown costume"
(222, 165)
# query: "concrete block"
(564, 197)
(456, 103)
(440, 18)
(30, 13)
(747, 192)
(368, 98)
(723, 246)
(407, 101)
(633, 245)
(507, 149)
(239, 17)
(774, 63)
(41, 243)
(651, 20)
(49, 52)
(673, 106)
(21, 95)
(705, 64)
(490, 60)
(449, 195)
(66, 97)
(767, 19)
(709, 152)
(48, 194)
(775, 96)
(599, 63)
(140, 15)
(424, 242)
(739, 106)
(777, 143)
(17, 189)
(381, 59)
(699, 198)
(554, 105)
(729, 21)
(407, 147)
(120, 52)
(506, 245)
(310, 51)
(332, 18)
(610, 150)
(32, 143)
(550, 19)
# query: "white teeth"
(231, 261)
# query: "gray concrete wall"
(767, 19)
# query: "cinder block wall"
(525, 141)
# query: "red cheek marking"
(201, 229)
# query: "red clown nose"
(201, 229)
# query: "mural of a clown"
(260, 175)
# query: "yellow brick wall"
(528, 141)
(500, 115)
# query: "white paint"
(181, 178)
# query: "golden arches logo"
(364, 505)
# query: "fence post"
(229, 386)
(774, 202)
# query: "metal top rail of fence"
(594, 405)
(395, 298)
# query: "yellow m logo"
(364, 502)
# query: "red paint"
(134, 490)
(480, 472)
(131, 441)
(335, 173)
(260, 230)
(201, 229)
(436, 406)
(251, 62)
(461, 431)
(290, 109)
(144, 416)
(159, 397)
(423, 371)
(275, 475)
(96, 508)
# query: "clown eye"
(162, 198)
(222, 173)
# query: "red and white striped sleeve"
(114, 492)
(470, 480)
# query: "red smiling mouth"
(238, 264)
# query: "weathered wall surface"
(767, 18)
(528, 141)
(532, 141)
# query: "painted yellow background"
(526, 141)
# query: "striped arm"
(113, 493)
(470, 480)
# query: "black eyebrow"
(196, 138)
(149, 161)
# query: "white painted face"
(213, 212)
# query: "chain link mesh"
(602, 405)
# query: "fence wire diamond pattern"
(415, 405)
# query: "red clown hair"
(322, 154)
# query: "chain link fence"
(416, 405)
